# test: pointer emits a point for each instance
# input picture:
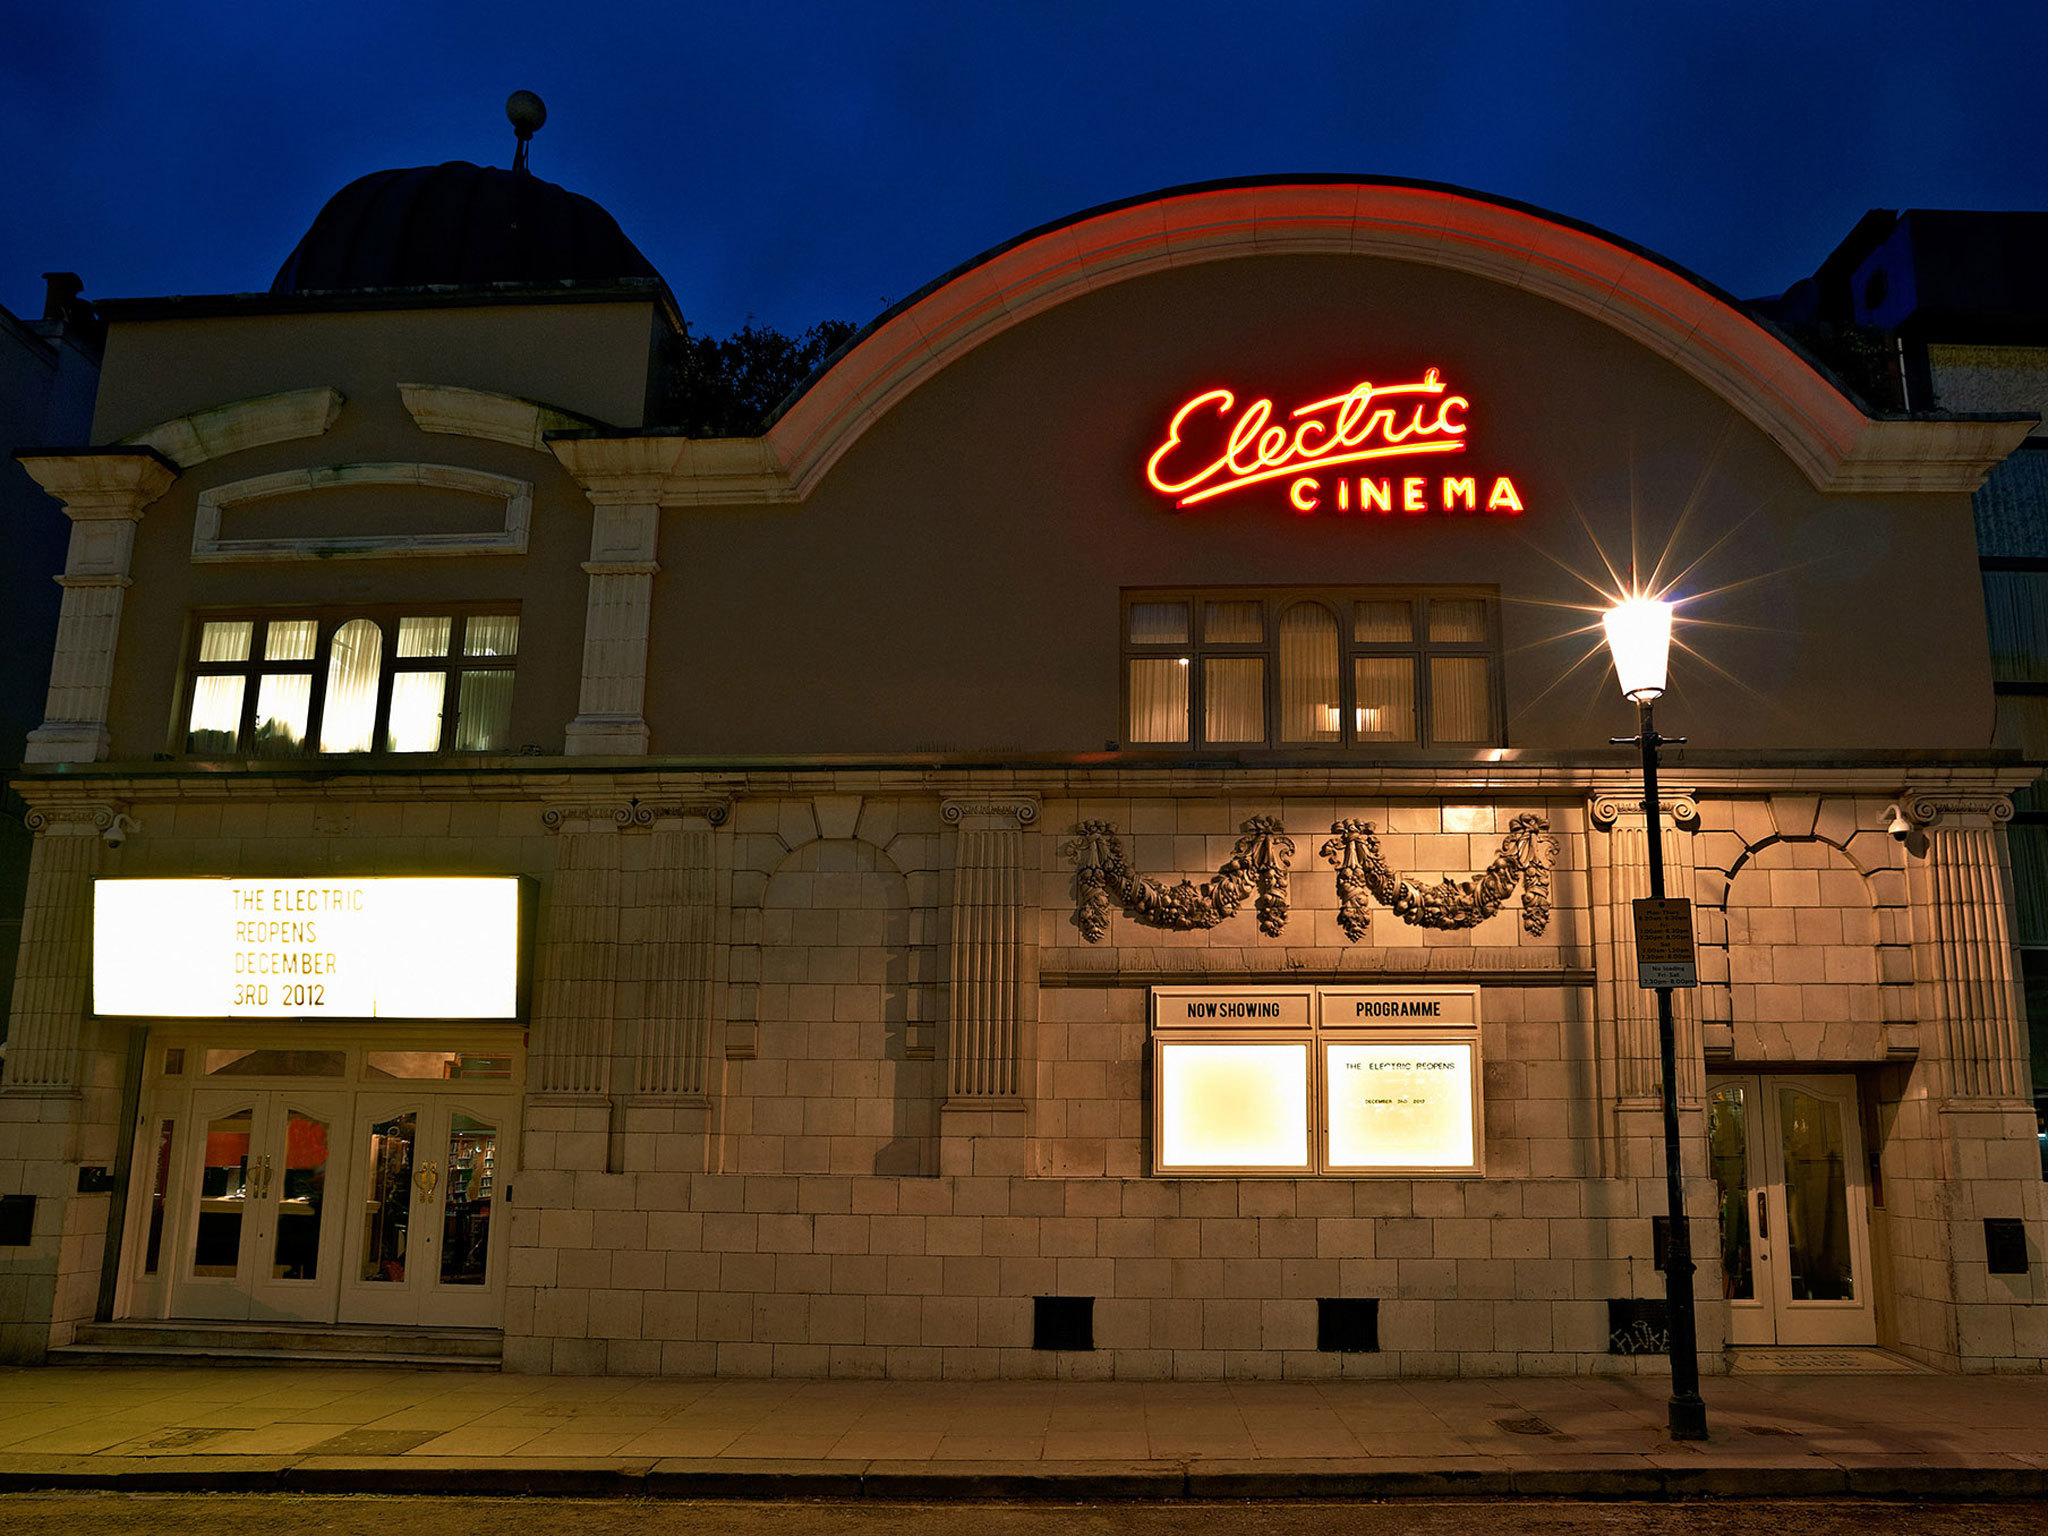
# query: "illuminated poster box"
(1401, 1105)
(344, 949)
(1305, 1079)
(1238, 1104)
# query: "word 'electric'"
(1212, 449)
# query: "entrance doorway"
(1787, 1157)
(352, 1185)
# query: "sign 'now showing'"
(343, 949)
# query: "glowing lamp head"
(1639, 636)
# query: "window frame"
(330, 620)
(1275, 601)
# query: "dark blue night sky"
(797, 161)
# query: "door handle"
(427, 1178)
(1763, 1219)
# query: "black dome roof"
(458, 224)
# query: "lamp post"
(1639, 636)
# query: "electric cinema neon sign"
(1213, 449)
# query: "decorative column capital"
(99, 818)
(1607, 807)
(634, 814)
(1959, 809)
(102, 483)
(989, 813)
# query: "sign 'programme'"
(343, 949)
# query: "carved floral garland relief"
(1103, 878)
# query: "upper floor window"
(1360, 667)
(290, 685)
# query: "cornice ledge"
(240, 425)
(102, 484)
(457, 411)
(1932, 456)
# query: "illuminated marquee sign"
(339, 949)
(1319, 449)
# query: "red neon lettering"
(1375, 496)
(1305, 487)
(1502, 497)
(1412, 497)
(1369, 421)
(1463, 489)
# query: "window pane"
(1159, 623)
(291, 639)
(350, 718)
(483, 720)
(226, 641)
(416, 712)
(223, 1188)
(160, 1191)
(1383, 623)
(424, 637)
(282, 700)
(495, 634)
(1458, 706)
(1159, 699)
(1457, 619)
(387, 1204)
(216, 714)
(1309, 706)
(301, 1191)
(1233, 623)
(466, 1212)
(436, 1065)
(1386, 698)
(1233, 698)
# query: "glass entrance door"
(423, 1246)
(1787, 1159)
(256, 1236)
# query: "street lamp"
(1639, 636)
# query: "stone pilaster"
(104, 494)
(677, 901)
(1968, 990)
(576, 999)
(52, 980)
(624, 478)
(991, 985)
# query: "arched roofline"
(1653, 301)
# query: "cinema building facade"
(1091, 846)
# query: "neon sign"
(1212, 449)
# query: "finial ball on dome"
(526, 112)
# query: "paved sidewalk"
(329, 1429)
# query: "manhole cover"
(1525, 1426)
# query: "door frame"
(1771, 1317)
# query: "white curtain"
(1159, 623)
(1460, 707)
(216, 723)
(1386, 697)
(349, 721)
(1457, 619)
(1309, 703)
(495, 634)
(225, 640)
(424, 637)
(1383, 622)
(483, 719)
(282, 702)
(1159, 699)
(1234, 699)
(1233, 623)
(416, 700)
(290, 639)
